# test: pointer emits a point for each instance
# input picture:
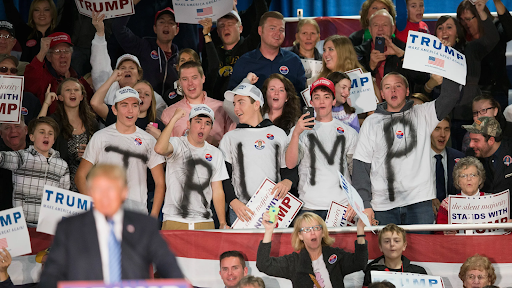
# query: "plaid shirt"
(31, 171)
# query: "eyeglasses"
(482, 111)
(6, 36)
(470, 176)
(467, 19)
(309, 229)
(63, 51)
(473, 277)
(7, 69)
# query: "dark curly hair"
(291, 109)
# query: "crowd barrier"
(198, 252)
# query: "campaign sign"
(59, 203)
(156, 283)
(312, 67)
(336, 216)
(261, 201)
(362, 93)
(426, 53)
(13, 232)
(111, 8)
(11, 97)
(409, 280)
(494, 208)
(192, 11)
(355, 200)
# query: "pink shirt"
(221, 125)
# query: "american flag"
(3, 243)
(436, 61)
(205, 11)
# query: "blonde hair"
(347, 57)
(393, 228)
(480, 263)
(32, 24)
(152, 108)
(301, 24)
(297, 244)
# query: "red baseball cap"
(166, 10)
(59, 37)
(323, 82)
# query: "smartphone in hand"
(311, 111)
(379, 43)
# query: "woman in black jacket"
(317, 264)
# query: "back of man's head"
(250, 281)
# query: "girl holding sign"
(317, 262)
(76, 121)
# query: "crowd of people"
(191, 128)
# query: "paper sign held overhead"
(336, 216)
(362, 93)
(426, 53)
(57, 204)
(111, 8)
(14, 232)
(191, 11)
(11, 98)
(261, 201)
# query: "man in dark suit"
(443, 161)
(108, 243)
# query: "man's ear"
(260, 29)
(114, 110)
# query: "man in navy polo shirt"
(269, 58)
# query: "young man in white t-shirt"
(392, 161)
(253, 151)
(124, 144)
(195, 171)
(321, 150)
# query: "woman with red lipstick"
(76, 121)
(469, 177)
(316, 264)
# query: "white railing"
(431, 16)
(408, 228)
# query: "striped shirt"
(31, 171)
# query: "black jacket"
(498, 178)
(298, 266)
(378, 265)
(393, 64)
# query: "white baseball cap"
(234, 14)
(125, 93)
(127, 57)
(201, 109)
(245, 89)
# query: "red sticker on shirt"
(208, 157)
(138, 142)
(340, 130)
(31, 43)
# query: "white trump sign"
(191, 11)
(58, 203)
(408, 280)
(111, 8)
(261, 201)
(426, 53)
(14, 232)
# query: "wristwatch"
(207, 34)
